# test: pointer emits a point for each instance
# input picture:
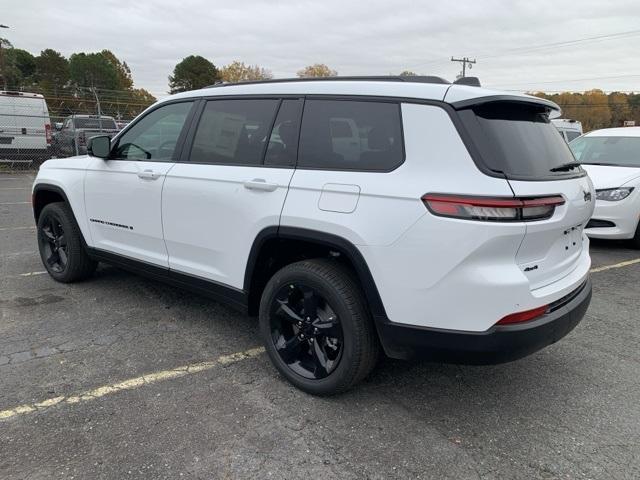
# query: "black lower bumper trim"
(596, 223)
(497, 345)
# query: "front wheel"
(60, 244)
(316, 327)
(635, 241)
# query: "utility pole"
(95, 93)
(4, 72)
(464, 61)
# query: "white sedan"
(611, 157)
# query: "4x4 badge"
(587, 196)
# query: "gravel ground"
(569, 411)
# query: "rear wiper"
(565, 167)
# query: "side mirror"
(58, 125)
(99, 146)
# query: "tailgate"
(551, 248)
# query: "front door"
(123, 194)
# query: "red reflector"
(497, 209)
(523, 316)
(47, 132)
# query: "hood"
(606, 176)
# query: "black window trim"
(181, 137)
(187, 147)
(356, 98)
(450, 109)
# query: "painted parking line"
(15, 203)
(30, 274)
(131, 383)
(14, 188)
(164, 375)
(2, 229)
(615, 265)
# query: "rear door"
(517, 141)
(230, 184)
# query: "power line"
(565, 43)
(560, 44)
(612, 77)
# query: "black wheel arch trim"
(336, 242)
(49, 187)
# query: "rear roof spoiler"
(529, 100)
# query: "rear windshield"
(618, 151)
(518, 141)
(104, 123)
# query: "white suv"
(405, 214)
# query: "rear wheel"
(60, 245)
(316, 328)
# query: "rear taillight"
(525, 316)
(47, 133)
(492, 209)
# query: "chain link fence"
(30, 135)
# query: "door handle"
(148, 175)
(260, 184)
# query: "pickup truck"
(72, 136)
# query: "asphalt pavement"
(123, 377)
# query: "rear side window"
(283, 142)
(351, 135)
(233, 132)
(518, 141)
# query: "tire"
(347, 341)
(60, 244)
(635, 241)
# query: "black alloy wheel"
(53, 244)
(306, 331)
(61, 245)
(316, 326)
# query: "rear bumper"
(497, 345)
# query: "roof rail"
(380, 78)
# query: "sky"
(519, 45)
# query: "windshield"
(518, 141)
(107, 123)
(618, 151)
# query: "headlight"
(613, 194)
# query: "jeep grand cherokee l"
(354, 216)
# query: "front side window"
(351, 135)
(155, 136)
(233, 132)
